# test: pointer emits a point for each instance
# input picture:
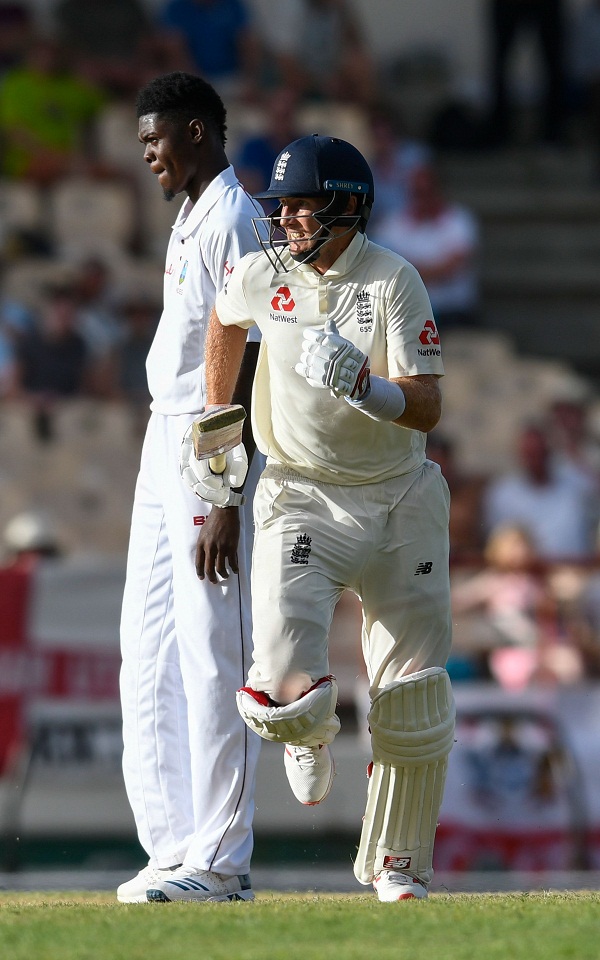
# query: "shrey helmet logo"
(429, 334)
(283, 300)
(281, 165)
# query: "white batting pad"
(412, 732)
(308, 722)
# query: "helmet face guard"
(273, 239)
(311, 167)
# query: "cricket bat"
(216, 432)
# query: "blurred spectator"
(99, 319)
(576, 451)
(544, 20)
(220, 40)
(466, 490)
(522, 628)
(130, 378)
(52, 360)
(30, 534)
(441, 239)
(543, 499)
(587, 618)
(585, 68)
(394, 157)
(319, 48)
(16, 25)
(15, 321)
(257, 153)
(46, 117)
(104, 39)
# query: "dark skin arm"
(216, 550)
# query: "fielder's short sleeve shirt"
(379, 302)
(207, 241)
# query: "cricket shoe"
(134, 891)
(200, 886)
(310, 772)
(391, 885)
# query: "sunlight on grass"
(86, 926)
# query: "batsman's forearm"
(423, 402)
(224, 352)
(243, 393)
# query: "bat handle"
(217, 464)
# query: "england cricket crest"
(364, 311)
(281, 166)
(301, 549)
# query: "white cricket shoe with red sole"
(199, 886)
(310, 772)
(391, 885)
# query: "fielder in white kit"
(346, 389)
(189, 760)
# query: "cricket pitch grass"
(513, 926)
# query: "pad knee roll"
(412, 732)
(308, 722)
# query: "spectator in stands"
(508, 21)
(16, 24)
(319, 48)
(46, 117)
(15, 321)
(141, 317)
(258, 152)
(544, 499)
(219, 41)
(52, 360)
(441, 239)
(522, 629)
(99, 319)
(29, 535)
(585, 68)
(576, 450)
(104, 39)
(394, 157)
(466, 490)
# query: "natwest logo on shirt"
(283, 300)
(429, 334)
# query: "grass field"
(86, 926)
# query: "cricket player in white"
(189, 760)
(345, 392)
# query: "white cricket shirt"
(379, 302)
(207, 241)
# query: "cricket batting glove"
(329, 361)
(215, 488)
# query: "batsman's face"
(298, 222)
(170, 149)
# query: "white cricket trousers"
(189, 760)
(388, 542)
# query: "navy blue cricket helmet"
(316, 166)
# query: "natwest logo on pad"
(283, 300)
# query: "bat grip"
(217, 464)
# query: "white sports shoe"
(134, 891)
(186, 883)
(310, 772)
(390, 885)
